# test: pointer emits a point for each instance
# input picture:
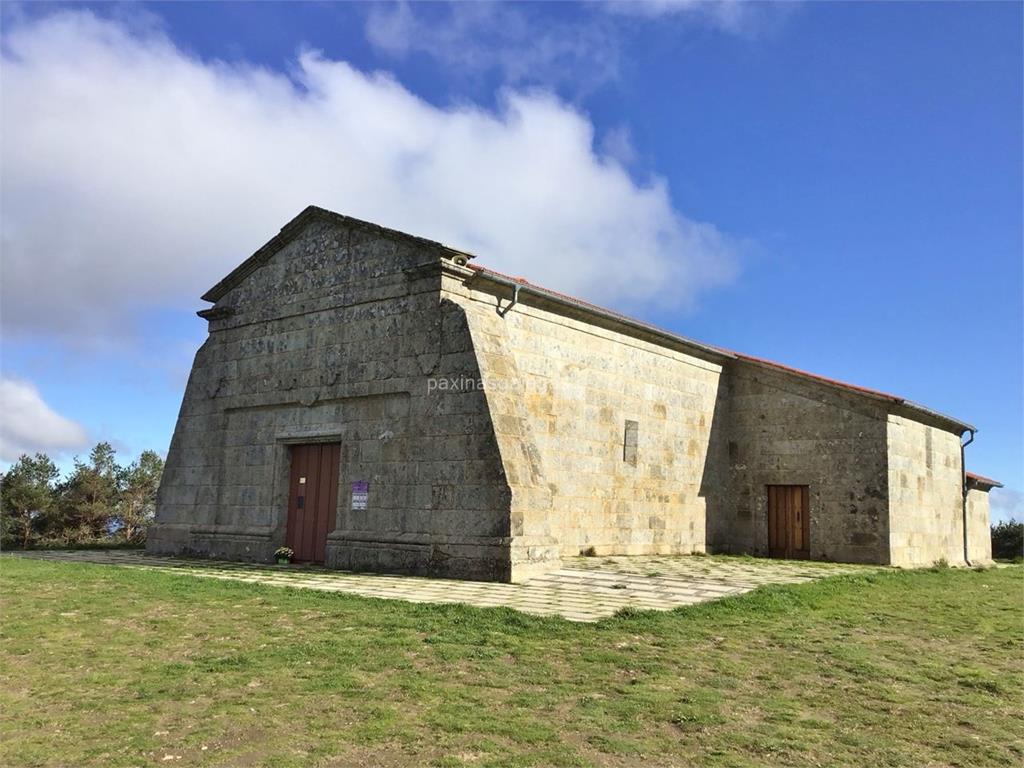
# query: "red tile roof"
(723, 351)
(823, 379)
(291, 229)
(982, 480)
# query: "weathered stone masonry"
(342, 331)
(333, 339)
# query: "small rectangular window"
(629, 442)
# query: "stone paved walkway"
(586, 589)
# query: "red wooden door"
(789, 521)
(312, 499)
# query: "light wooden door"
(789, 522)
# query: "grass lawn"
(107, 666)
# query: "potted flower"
(283, 555)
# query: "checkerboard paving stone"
(586, 589)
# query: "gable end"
(290, 230)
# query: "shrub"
(1008, 540)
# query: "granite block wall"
(561, 391)
(787, 430)
(979, 532)
(498, 440)
(336, 338)
(925, 494)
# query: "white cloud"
(1006, 504)
(579, 48)
(136, 176)
(28, 424)
(474, 39)
(739, 17)
(618, 143)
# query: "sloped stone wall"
(561, 391)
(336, 338)
(535, 544)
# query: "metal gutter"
(521, 286)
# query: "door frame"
(283, 442)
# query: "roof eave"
(475, 274)
(893, 400)
(981, 482)
(718, 354)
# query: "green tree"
(136, 505)
(1008, 540)
(88, 498)
(27, 496)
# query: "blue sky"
(834, 186)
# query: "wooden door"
(312, 499)
(789, 521)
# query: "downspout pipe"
(963, 472)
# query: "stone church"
(379, 403)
